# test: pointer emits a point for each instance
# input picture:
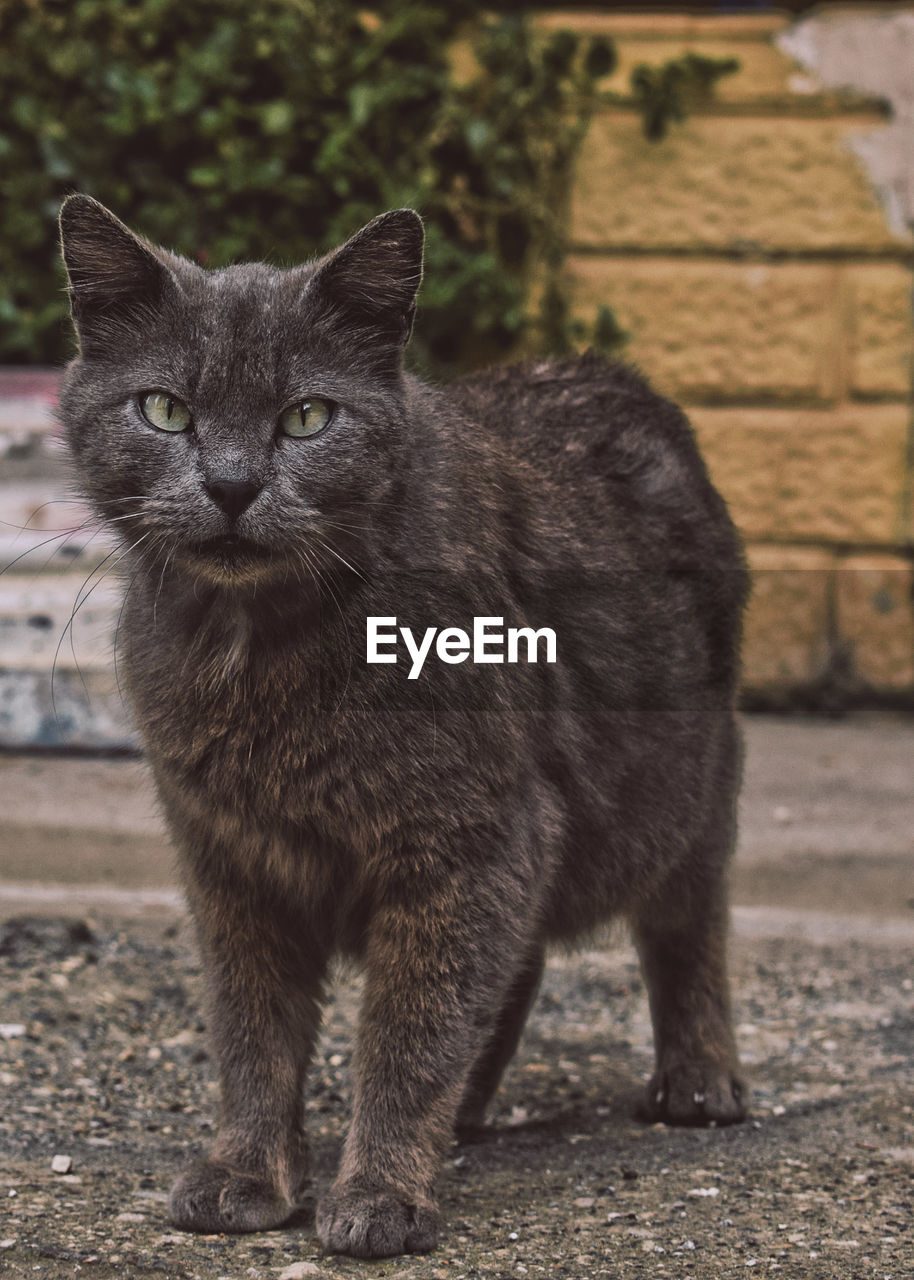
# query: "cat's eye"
(306, 418)
(165, 412)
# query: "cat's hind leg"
(681, 935)
(501, 1045)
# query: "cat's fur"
(444, 830)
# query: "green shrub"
(229, 130)
(665, 93)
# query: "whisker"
(326, 546)
(56, 537)
(346, 528)
(329, 584)
(144, 557)
(29, 528)
(128, 515)
(368, 502)
(52, 502)
(78, 604)
(155, 600)
(82, 596)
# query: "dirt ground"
(106, 1078)
(107, 1086)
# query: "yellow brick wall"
(750, 261)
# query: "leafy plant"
(666, 93)
(230, 131)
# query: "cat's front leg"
(437, 971)
(265, 987)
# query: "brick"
(710, 330)
(764, 72)
(786, 640)
(817, 475)
(641, 25)
(39, 630)
(87, 711)
(733, 184)
(881, 332)
(875, 615)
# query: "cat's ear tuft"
(114, 275)
(370, 284)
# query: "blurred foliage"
(666, 93)
(231, 131)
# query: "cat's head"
(241, 422)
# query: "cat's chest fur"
(289, 733)
(234, 715)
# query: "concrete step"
(43, 529)
(59, 594)
(827, 823)
(58, 679)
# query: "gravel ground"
(108, 1087)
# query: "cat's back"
(585, 415)
(599, 449)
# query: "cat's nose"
(233, 496)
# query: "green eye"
(305, 419)
(164, 411)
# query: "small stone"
(11, 1030)
(298, 1271)
(62, 1164)
(184, 1037)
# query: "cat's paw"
(471, 1120)
(376, 1223)
(695, 1093)
(212, 1197)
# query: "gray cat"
(277, 481)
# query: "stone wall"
(764, 286)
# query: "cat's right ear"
(115, 276)
(368, 287)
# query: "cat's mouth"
(229, 556)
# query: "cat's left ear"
(370, 284)
(115, 276)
